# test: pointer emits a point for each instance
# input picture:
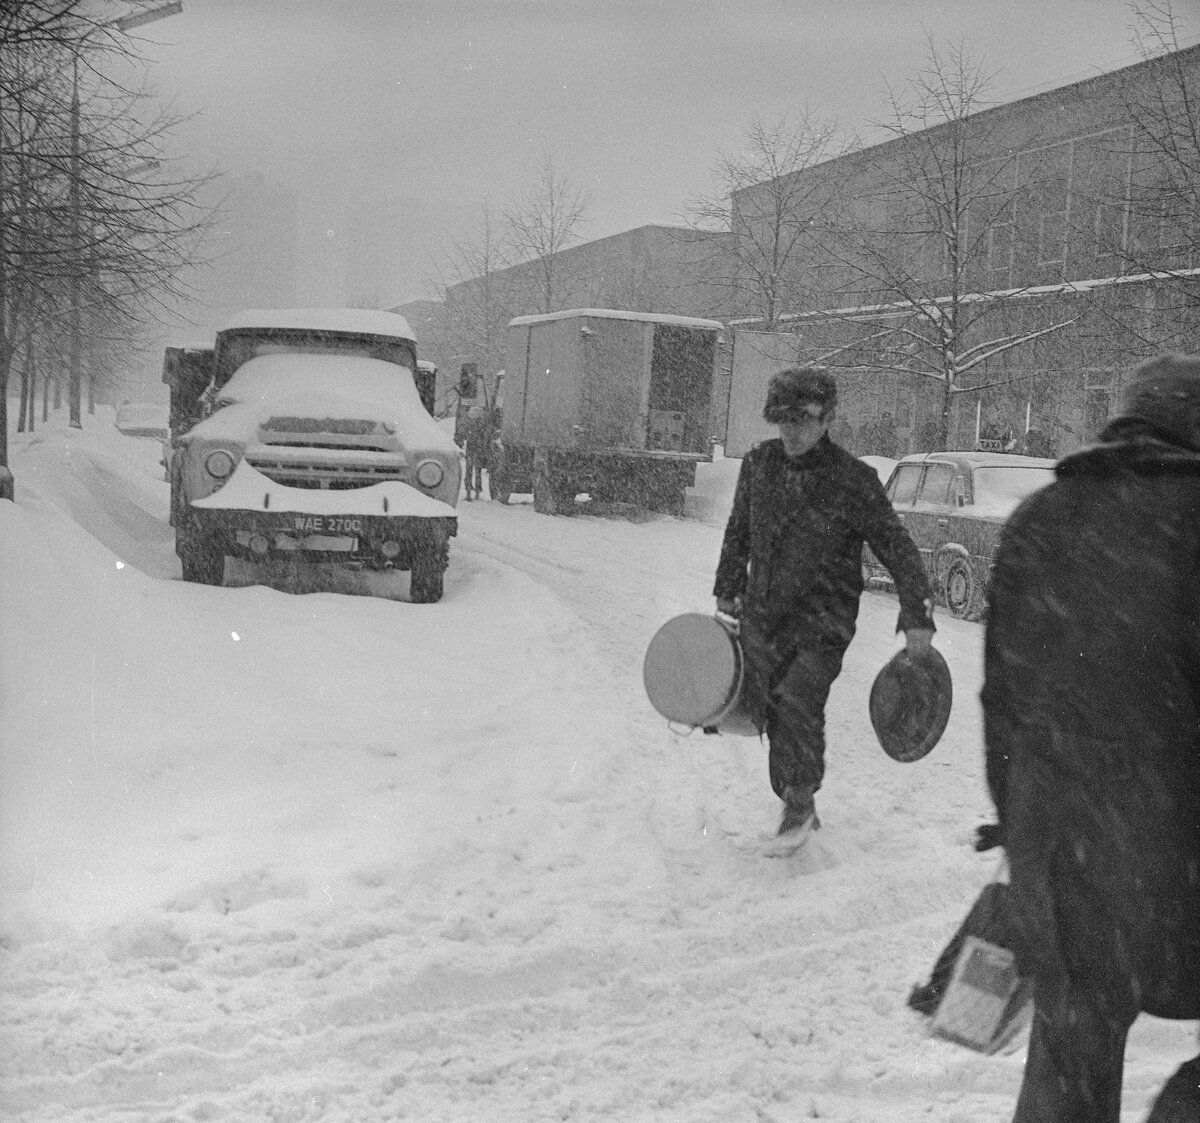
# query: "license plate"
(325, 543)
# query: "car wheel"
(552, 495)
(960, 588)
(428, 573)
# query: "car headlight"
(430, 473)
(220, 464)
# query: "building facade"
(992, 277)
(651, 268)
(995, 277)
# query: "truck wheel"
(428, 573)
(961, 590)
(551, 496)
(202, 561)
(498, 487)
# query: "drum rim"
(734, 694)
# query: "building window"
(1108, 229)
(1177, 224)
(1052, 238)
(1001, 238)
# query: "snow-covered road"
(326, 857)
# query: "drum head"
(910, 704)
(692, 669)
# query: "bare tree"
(478, 300)
(1147, 216)
(30, 23)
(540, 227)
(766, 206)
(926, 244)
(94, 227)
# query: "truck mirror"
(467, 379)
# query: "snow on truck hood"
(249, 490)
(336, 386)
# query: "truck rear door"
(679, 412)
(613, 405)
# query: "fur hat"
(1163, 393)
(791, 391)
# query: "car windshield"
(1002, 487)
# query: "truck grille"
(307, 467)
(358, 427)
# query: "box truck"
(620, 405)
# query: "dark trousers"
(1074, 1069)
(475, 467)
(1103, 872)
(795, 725)
(1076, 1056)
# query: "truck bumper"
(371, 541)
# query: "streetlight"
(127, 23)
(74, 378)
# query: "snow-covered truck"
(616, 404)
(308, 435)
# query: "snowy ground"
(329, 857)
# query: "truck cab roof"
(351, 321)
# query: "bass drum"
(694, 671)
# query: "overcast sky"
(454, 101)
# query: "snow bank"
(266, 856)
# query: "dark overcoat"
(1092, 724)
(793, 551)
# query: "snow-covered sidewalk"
(329, 857)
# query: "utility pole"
(75, 342)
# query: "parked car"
(143, 419)
(883, 465)
(954, 505)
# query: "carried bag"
(975, 994)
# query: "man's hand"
(729, 606)
(917, 641)
(988, 836)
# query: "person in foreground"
(790, 571)
(1091, 704)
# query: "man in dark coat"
(791, 571)
(1092, 723)
(477, 443)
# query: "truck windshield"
(237, 347)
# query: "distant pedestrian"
(1037, 443)
(1092, 725)
(791, 571)
(926, 438)
(477, 440)
(886, 441)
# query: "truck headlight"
(430, 473)
(220, 464)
